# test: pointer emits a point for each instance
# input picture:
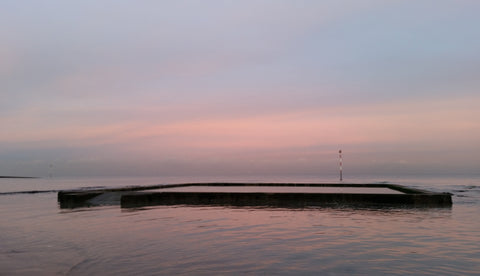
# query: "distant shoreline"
(17, 176)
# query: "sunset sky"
(239, 87)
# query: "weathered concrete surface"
(131, 197)
(283, 199)
(68, 199)
(102, 196)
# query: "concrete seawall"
(279, 200)
(299, 195)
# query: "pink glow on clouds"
(369, 124)
(262, 82)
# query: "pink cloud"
(396, 122)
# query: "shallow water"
(281, 189)
(37, 237)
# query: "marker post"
(340, 156)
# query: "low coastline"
(7, 176)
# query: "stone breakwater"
(298, 195)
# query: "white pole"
(340, 156)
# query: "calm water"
(39, 238)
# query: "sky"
(186, 88)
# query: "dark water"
(39, 238)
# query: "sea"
(37, 237)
